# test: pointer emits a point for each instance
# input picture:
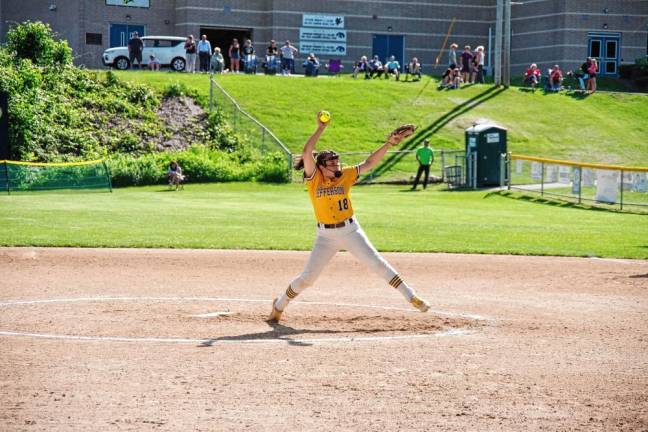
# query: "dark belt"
(337, 225)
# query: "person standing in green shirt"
(425, 157)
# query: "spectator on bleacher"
(190, 54)
(466, 64)
(234, 53)
(452, 55)
(154, 63)
(392, 67)
(375, 67)
(478, 63)
(217, 63)
(555, 78)
(592, 70)
(204, 53)
(413, 68)
(311, 65)
(249, 57)
(361, 66)
(271, 59)
(532, 75)
(288, 54)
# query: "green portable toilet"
(485, 144)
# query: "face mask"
(337, 174)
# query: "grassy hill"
(603, 127)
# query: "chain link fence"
(607, 186)
(246, 125)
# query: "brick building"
(543, 31)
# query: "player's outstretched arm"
(394, 138)
(309, 147)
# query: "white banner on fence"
(325, 48)
(551, 173)
(607, 186)
(640, 182)
(322, 35)
(519, 164)
(536, 170)
(588, 177)
(330, 21)
(564, 174)
(576, 180)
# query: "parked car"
(169, 50)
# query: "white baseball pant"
(329, 241)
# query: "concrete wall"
(556, 32)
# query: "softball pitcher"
(329, 189)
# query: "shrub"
(34, 41)
(177, 89)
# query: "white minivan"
(169, 50)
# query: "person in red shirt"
(532, 75)
(555, 78)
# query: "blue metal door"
(385, 46)
(605, 48)
(121, 33)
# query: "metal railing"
(244, 124)
(403, 165)
(600, 185)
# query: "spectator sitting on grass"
(174, 174)
(392, 67)
(154, 63)
(312, 65)
(451, 78)
(375, 67)
(217, 62)
(555, 79)
(361, 66)
(532, 75)
(413, 68)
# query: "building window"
(94, 39)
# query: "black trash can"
(485, 144)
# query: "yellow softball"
(325, 116)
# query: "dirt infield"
(176, 340)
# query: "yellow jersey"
(331, 198)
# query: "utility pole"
(498, 42)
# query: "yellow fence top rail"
(579, 164)
(10, 162)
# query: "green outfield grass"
(603, 127)
(260, 216)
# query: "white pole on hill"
(498, 42)
(507, 43)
